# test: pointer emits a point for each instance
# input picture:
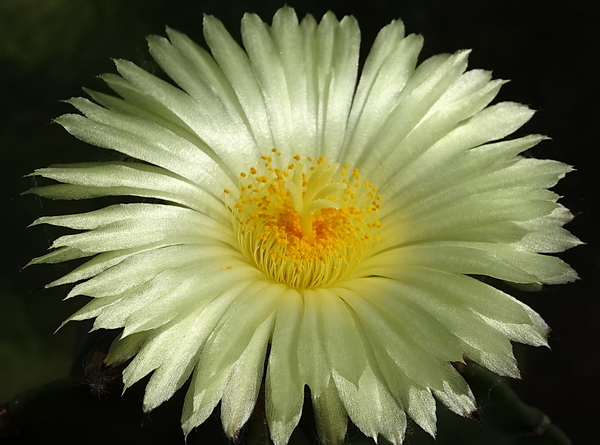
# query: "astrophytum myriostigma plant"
(298, 212)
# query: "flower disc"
(305, 224)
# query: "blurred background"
(50, 49)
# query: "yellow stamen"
(302, 222)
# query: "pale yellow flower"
(300, 213)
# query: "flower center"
(307, 223)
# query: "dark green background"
(49, 49)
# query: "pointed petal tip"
(232, 435)
(37, 222)
(28, 175)
(430, 428)
(174, 34)
(209, 20)
(62, 324)
(185, 427)
(152, 38)
(28, 192)
(462, 55)
(71, 294)
(286, 9)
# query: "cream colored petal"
(330, 415)
(182, 354)
(103, 261)
(337, 49)
(235, 330)
(209, 383)
(389, 65)
(422, 368)
(138, 269)
(412, 320)
(457, 396)
(423, 89)
(437, 136)
(116, 178)
(313, 363)
(234, 62)
(239, 397)
(147, 141)
(125, 226)
(267, 67)
(220, 124)
(284, 388)
(383, 415)
(343, 345)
